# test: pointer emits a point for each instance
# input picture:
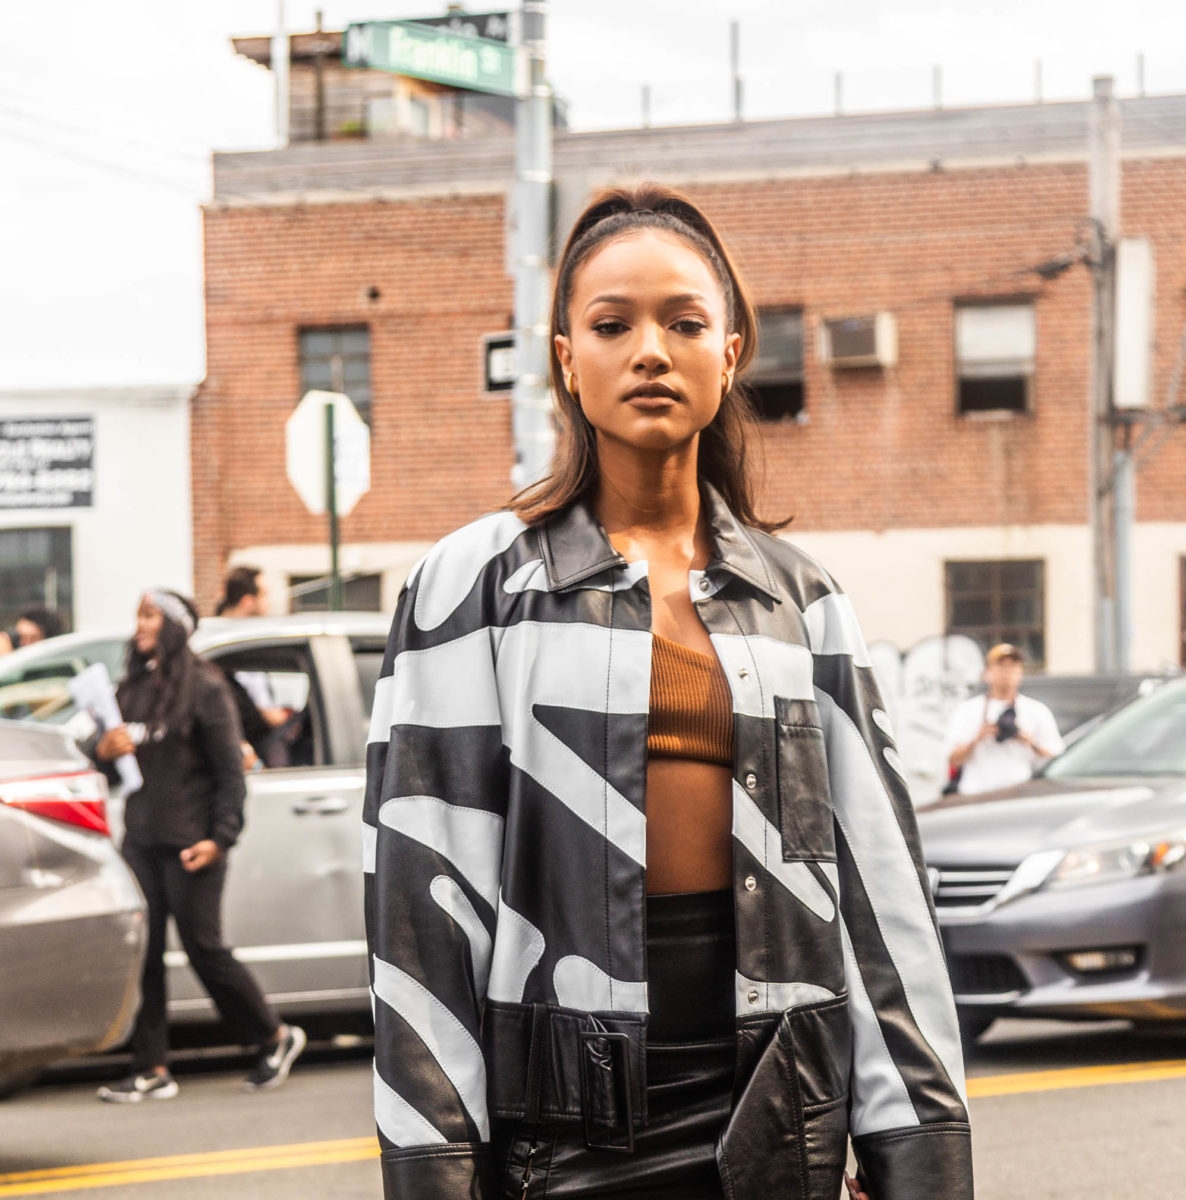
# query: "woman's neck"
(648, 494)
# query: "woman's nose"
(651, 351)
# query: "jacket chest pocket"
(804, 797)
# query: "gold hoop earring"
(726, 384)
(570, 382)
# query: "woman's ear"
(563, 352)
(732, 351)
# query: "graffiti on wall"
(921, 688)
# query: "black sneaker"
(148, 1086)
(276, 1061)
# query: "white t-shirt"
(994, 764)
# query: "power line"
(104, 164)
(90, 131)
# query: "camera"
(1007, 724)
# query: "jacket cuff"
(920, 1160)
(450, 1172)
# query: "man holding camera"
(1000, 739)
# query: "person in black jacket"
(179, 826)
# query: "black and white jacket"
(505, 845)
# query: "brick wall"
(440, 454)
(881, 449)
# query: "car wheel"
(973, 1023)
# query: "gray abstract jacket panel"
(505, 837)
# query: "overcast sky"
(109, 111)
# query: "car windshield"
(1147, 737)
(35, 682)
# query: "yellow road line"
(312, 1154)
(187, 1166)
(1075, 1077)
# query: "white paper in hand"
(91, 689)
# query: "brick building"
(947, 490)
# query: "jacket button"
(752, 995)
(743, 673)
(704, 583)
(751, 781)
(750, 883)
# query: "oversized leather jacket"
(505, 843)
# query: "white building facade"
(94, 500)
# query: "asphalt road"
(1057, 1110)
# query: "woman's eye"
(690, 326)
(608, 328)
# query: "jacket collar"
(575, 547)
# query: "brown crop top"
(691, 706)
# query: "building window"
(338, 360)
(775, 377)
(310, 593)
(38, 571)
(999, 602)
(995, 347)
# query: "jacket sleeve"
(909, 1120)
(433, 826)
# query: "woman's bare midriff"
(689, 824)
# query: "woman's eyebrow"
(607, 298)
(670, 301)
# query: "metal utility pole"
(531, 411)
(319, 53)
(280, 71)
(1104, 187)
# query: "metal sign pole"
(331, 506)
(531, 411)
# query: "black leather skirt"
(691, 1053)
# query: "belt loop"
(535, 1062)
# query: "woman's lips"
(652, 396)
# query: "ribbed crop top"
(691, 706)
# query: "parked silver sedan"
(293, 903)
(72, 928)
(1066, 896)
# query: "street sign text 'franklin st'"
(424, 52)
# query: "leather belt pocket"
(607, 1091)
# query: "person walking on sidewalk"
(179, 826)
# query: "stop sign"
(305, 452)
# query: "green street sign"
(423, 52)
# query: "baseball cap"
(1003, 650)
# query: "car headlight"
(1107, 862)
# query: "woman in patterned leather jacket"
(644, 898)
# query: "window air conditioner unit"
(859, 341)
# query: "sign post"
(485, 65)
(531, 408)
(328, 462)
(331, 505)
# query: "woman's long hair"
(163, 694)
(725, 444)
